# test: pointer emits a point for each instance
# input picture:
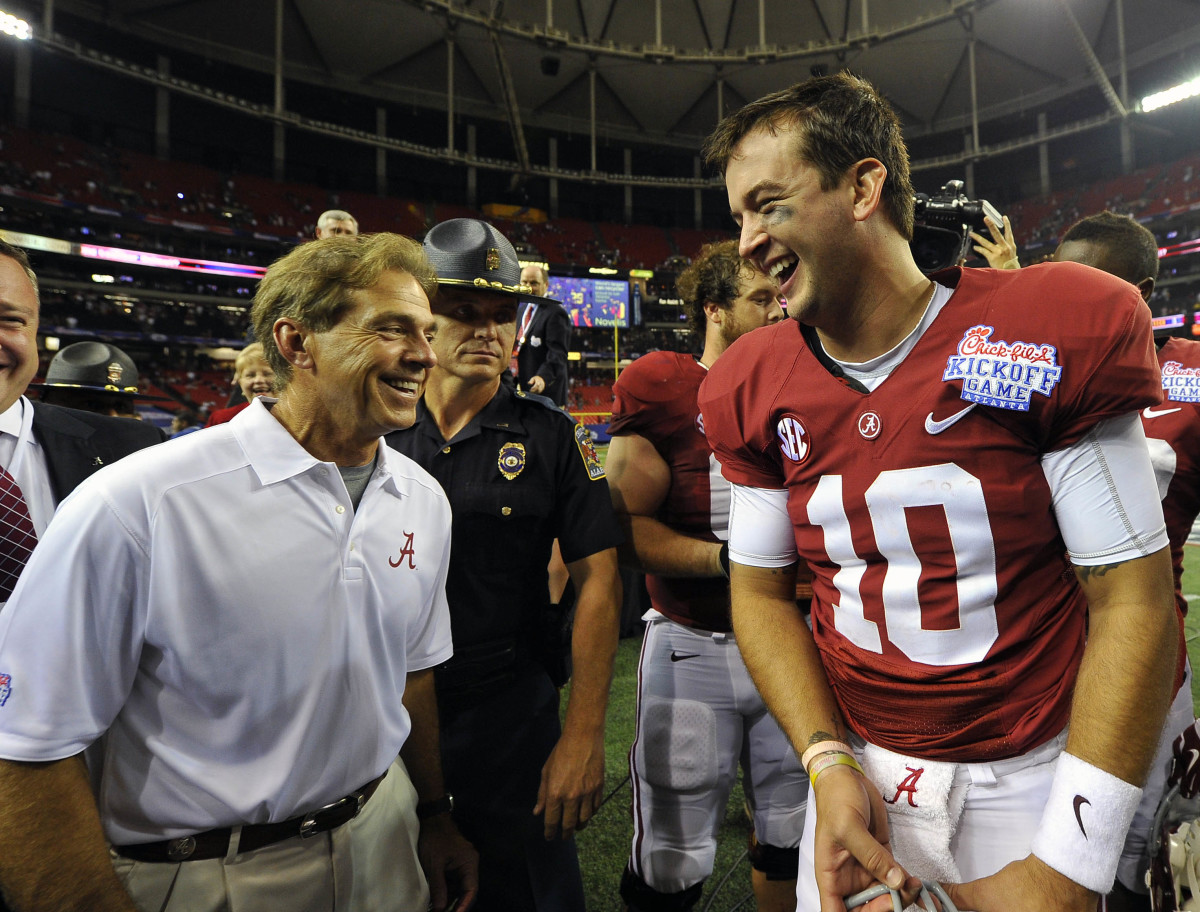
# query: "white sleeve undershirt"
(1103, 491)
(1105, 496)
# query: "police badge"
(512, 460)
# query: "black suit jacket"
(77, 444)
(544, 352)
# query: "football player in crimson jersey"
(1119, 245)
(932, 447)
(698, 711)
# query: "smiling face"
(370, 367)
(792, 229)
(475, 333)
(18, 331)
(255, 377)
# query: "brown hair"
(839, 120)
(715, 275)
(312, 284)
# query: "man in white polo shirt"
(229, 622)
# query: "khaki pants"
(366, 865)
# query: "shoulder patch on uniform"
(1003, 374)
(1181, 384)
(590, 460)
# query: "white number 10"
(960, 495)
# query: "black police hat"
(95, 366)
(470, 253)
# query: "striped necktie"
(17, 536)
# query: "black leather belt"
(215, 843)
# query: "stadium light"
(1170, 96)
(18, 28)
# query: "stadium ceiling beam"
(696, 103)
(962, 59)
(620, 103)
(1093, 62)
(312, 41)
(612, 8)
(385, 71)
(703, 25)
(582, 15)
(816, 7)
(691, 108)
(602, 47)
(511, 108)
(466, 61)
(1043, 75)
(561, 93)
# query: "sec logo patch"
(794, 441)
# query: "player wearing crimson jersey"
(932, 449)
(1119, 245)
(698, 711)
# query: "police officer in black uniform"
(519, 473)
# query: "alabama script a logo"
(908, 786)
(407, 551)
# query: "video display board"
(592, 302)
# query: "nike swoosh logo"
(936, 427)
(1080, 800)
(680, 656)
(1148, 412)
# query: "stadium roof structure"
(660, 72)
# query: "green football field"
(604, 844)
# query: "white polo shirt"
(242, 634)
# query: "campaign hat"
(96, 366)
(470, 253)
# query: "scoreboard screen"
(592, 302)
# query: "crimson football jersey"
(949, 624)
(1173, 432)
(1173, 435)
(655, 398)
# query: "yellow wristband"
(829, 760)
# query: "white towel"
(923, 810)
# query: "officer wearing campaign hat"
(94, 377)
(520, 471)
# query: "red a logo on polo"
(908, 786)
(406, 552)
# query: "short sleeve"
(735, 403)
(71, 634)
(584, 512)
(429, 640)
(1110, 367)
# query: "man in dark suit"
(47, 449)
(543, 337)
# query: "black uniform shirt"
(521, 474)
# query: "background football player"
(698, 711)
(1120, 246)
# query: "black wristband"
(443, 805)
(724, 558)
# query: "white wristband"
(1084, 824)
